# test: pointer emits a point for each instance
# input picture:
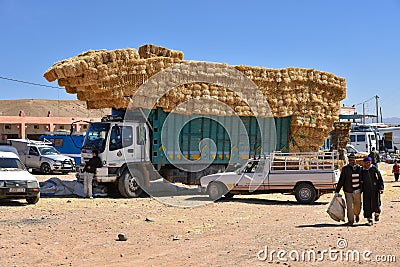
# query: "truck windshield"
(96, 136)
(10, 163)
(48, 151)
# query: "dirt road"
(243, 231)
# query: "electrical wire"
(365, 101)
(37, 84)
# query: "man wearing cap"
(372, 188)
(350, 181)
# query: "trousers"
(353, 203)
(88, 184)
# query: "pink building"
(32, 118)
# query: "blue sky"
(357, 40)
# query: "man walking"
(350, 181)
(372, 188)
(396, 170)
(374, 155)
(89, 171)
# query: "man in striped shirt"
(350, 181)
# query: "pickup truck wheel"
(33, 200)
(128, 184)
(215, 190)
(305, 193)
(45, 168)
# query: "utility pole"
(380, 109)
(377, 108)
(363, 110)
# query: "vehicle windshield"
(11, 164)
(96, 136)
(48, 151)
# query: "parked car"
(42, 156)
(6, 147)
(388, 158)
(15, 181)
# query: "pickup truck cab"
(306, 175)
(42, 156)
(15, 181)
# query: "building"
(30, 118)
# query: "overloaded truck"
(150, 144)
(307, 175)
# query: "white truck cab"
(122, 146)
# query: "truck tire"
(216, 190)
(45, 168)
(33, 200)
(305, 193)
(128, 184)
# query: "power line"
(365, 101)
(37, 84)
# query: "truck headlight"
(2, 183)
(32, 184)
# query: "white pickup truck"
(306, 175)
(39, 155)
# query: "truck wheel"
(215, 190)
(33, 200)
(305, 193)
(45, 168)
(128, 184)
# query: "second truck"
(133, 152)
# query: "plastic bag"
(336, 209)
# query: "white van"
(363, 141)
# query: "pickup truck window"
(33, 151)
(251, 167)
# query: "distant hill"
(41, 107)
(392, 120)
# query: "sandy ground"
(82, 232)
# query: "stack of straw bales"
(108, 79)
(341, 134)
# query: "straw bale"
(108, 78)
